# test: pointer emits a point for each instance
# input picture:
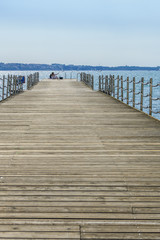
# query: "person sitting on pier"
(53, 75)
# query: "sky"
(86, 32)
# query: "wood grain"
(77, 164)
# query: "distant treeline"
(63, 67)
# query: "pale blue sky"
(94, 32)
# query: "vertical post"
(37, 77)
(110, 85)
(106, 84)
(100, 83)
(80, 76)
(122, 88)
(10, 85)
(32, 80)
(13, 80)
(10, 82)
(13, 85)
(134, 92)
(85, 77)
(29, 81)
(142, 86)
(92, 82)
(150, 97)
(118, 87)
(19, 84)
(128, 90)
(7, 94)
(113, 86)
(16, 84)
(3, 87)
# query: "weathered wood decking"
(77, 164)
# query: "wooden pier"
(77, 164)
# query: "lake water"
(137, 74)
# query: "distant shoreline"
(63, 67)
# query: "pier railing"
(32, 79)
(12, 84)
(88, 79)
(125, 91)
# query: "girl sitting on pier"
(53, 75)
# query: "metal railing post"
(15, 80)
(7, 94)
(142, 86)
(92, 82)
(150, 97)
(134, 92)
(100, 83)
(118, 87)
(113, 86)
(127, 90)
(110, 85)
(10, 83)
(106, 84)
(122, 88)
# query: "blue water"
(137, 74)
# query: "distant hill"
(63, 67)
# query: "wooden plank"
(40, 235)
(120, 229)
(70, 215)
(65, 188)
(93, 204)
(51, 209)
(80, 198)
(81, 222)
(118, 236)
(38, 228)
(81, 193)
(144, 210)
